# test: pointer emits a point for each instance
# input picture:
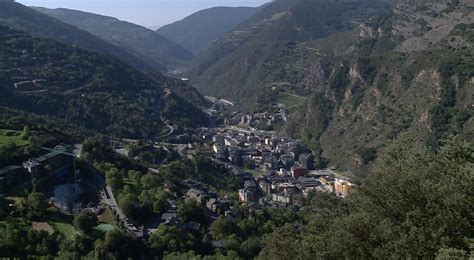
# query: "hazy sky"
(143, 12)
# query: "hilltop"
(23, 18)
(199, 30)
(154, 49)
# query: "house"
(246, 195)
(297, 172)
(170, 218)
(250, 185)
(342, 188)
(212, 205)
(194, 226)
(306, 160)
(197, 195)
(265, 186)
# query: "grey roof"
(9, 168)
(169, 215)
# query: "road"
(170, 127)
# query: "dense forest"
(91, 90)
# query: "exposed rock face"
(407, 71)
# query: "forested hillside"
(91, 90)
(359, 74)
(155, 50)
(199, 30)
(23, 18)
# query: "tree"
(86, 221)
(191, 211)
(161, 197)
(128, 203)
(149, 181)
(415, 203)
(221, 227)
(135, 176)
(36, 205)
(114, 179)
(170, 239)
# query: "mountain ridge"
(152, 48)
(20, 17)
(197, 31)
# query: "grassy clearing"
(68, 230)
(289, 100)
(15, 200)
(42, 226)
(11, 136)
(256, 172)
(107, 217)
(134, 188)
(216, 179)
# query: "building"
(306, 160)
(246, 195)
(342, 188)
(297, 172)
(197, 195)
(220, 151)
(170, 218)
(265, 186)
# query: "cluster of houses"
(283, 190)
(257, 120)
(284, 167)
(256, 150)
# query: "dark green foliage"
(36, 205)
(398, 212)
(191, 211)
(93, 90)
(367, 154)
(168, 239)
(175, 108)
(86, 221)
(118, 245)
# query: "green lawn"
(216, 179)
(255, 172)
(135, 189)
(66, 229)
(11, 136)
(289, 100)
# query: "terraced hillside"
(352, 85)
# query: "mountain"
(152, 48)
(354, 75)
(23, 18)
(91, 90)
(199, 30)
